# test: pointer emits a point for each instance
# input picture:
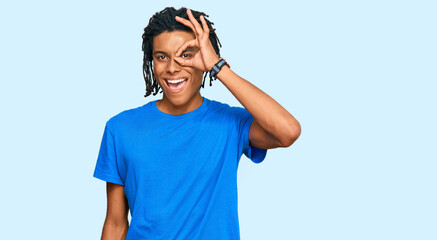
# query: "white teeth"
(176, 81)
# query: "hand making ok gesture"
(205, 56)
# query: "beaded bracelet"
(217, 67)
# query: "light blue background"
(360, 76)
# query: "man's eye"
(162, 57)
(186, 55)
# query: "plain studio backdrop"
(360, 76)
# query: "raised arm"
(273, 126)
(116, 222)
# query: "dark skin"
(116, 222)
(166, 68)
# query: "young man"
(173, 162)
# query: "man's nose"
(173, 66)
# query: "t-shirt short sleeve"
(106, 167)
(257, 155)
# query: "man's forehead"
(171, 41)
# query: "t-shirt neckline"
(202, 108)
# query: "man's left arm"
(273, 125)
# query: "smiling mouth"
(176, 85)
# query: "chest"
(178, 149)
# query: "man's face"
(180, 84)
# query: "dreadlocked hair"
(165, 21)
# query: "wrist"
(216, 68)
(222, 71)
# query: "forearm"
(115, 231)
(269, 114)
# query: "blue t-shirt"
(179, 171)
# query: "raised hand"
(204, 56)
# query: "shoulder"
(227, 110)
(216, 105)
(128, 116)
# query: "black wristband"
(217, 67)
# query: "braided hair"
(165, 21)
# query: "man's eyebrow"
(191, 49)
(159, 52)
